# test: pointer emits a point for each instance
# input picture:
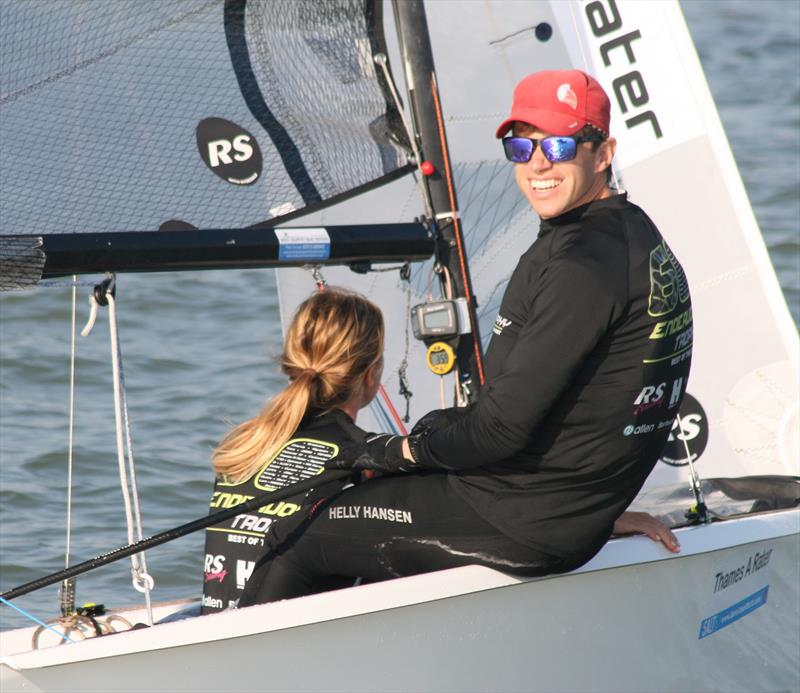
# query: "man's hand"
(645, 523)
(380, 452)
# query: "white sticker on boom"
(299, 459)
(303, 244)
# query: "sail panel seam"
(234, 14)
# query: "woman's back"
(232, 547)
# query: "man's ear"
(605, 154)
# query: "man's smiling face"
(555, 188)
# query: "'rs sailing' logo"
(229, 151)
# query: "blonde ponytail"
(335, 337)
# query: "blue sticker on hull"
(733, 613)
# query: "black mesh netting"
(21, 262)
(100, 104)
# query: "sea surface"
(187, 378)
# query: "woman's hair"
(335, 337)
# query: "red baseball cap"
(559, 102)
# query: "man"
(585, 373)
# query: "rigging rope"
(90, 621)
(60, 284)
(395, 416)
(381, 60)
(142, 581)
(33, 618)
(67, 589)
(402, 370)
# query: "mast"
(426, 112)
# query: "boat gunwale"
(619, 553)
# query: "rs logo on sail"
(219, 151)
(229, 151)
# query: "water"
(751, 56)
(199, 349)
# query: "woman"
(333, 357)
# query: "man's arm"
(573, 309)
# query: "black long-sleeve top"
(233, 546)
(585, 372)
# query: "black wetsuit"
(232, 547)
(586, 370)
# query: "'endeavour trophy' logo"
(668, 285)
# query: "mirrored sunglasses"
(519, 150)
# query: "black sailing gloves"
(381, 452)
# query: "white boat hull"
(634, 619)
